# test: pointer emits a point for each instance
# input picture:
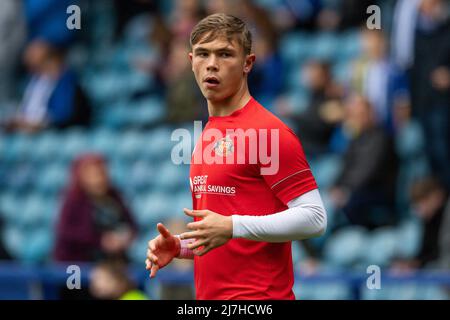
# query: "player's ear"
(249, 61)
(190, 57)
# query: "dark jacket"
(77, 235)
(370, 163)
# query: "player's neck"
(229, 105)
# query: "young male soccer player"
(246, 211)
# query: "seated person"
(4, 254)
(429, 201)
(368, 177)
(94, 222)
(110, 281)
(53, 97)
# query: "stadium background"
(116, 56)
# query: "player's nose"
(212, 64)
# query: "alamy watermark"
(231, 146)
(74, 20)
(373, 281)
(74, 279)
(374, 21)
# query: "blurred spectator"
(183, 98)
(298, 14)
(53, 97)
(12, 38)
(266, 79)
(428, 61)
(375, 77)
(184, 16)
(143, 51)
(365, 188)
(403, 32)
(410, 147)
(444, 239)
(4, 254)
(429, 200)
(178, 291)
(258, 18)
(224, 6)
(343, 14)
(110, 281)
(126, 10)
(94, 222)
(315, 125)
(46, 19)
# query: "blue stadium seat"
(10, 204)
(349, 45)
(46, 148)
(137, 251)
(172, 177)
(130, 145)
(325, 169)
(118, 172)
(182, 200)
(141, 176)
(346, 247)
(298, 98)
(75, 143)
(433, 292)
(114, 115)
(322, 291)
(298, 252)
(404, 291)
(18, 147)
(107, 86)
(381, 247)
(325, 46)
(21, 177)
(146, 111)
(409, 236)
(38, 245)
(341, 70)
(32, 212)
(410, 141)
(14, 240)
(103, 141)
(151, 208)
(157, 144)
(53, 178)
(296, 46)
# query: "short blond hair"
(222, 25)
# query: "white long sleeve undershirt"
(305, 218)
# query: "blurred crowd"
(374, 125)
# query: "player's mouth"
(211, 82)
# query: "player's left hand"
(212, 231)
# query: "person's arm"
(305, 218)
(185, 252)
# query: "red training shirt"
(246, 269)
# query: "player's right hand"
(161, 250)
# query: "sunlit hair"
(222, 25)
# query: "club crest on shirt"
(224, 146)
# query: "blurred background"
(86, 118)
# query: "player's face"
(220, 68)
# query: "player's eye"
(225, 55)
(202, 54)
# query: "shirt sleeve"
(305, 218)
(288, 173)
